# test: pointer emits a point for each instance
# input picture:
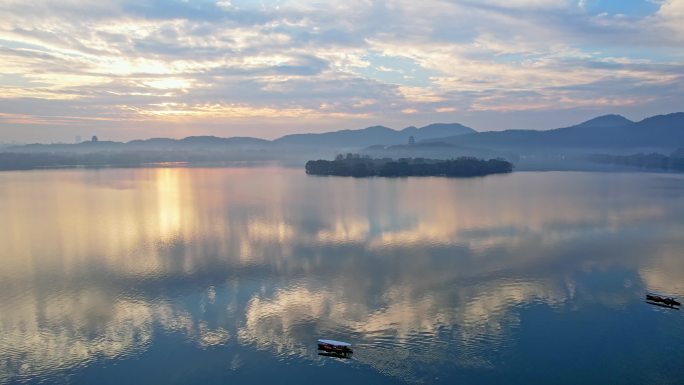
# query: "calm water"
(230, 275)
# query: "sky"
(129, 69)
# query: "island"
(363, 166)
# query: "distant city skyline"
(125, 70)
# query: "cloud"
(128, 58)
(671, 14)
(529, 4)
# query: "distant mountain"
(153, 142)
(603, 132)
(609, 131)
(374, 135)
(343, 138)
(212, 140)
(606, 121)
(57, 147)
(437, 130)
(156, 144)
(658, 131)
(198, 141)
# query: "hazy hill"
(609, 131)
(338, 139)
(60, 147)
(437, 130)
(374, 135)
(192, 142)
(611, 120)
(604, 134)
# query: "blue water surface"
(229, 275)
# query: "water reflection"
(424, 274)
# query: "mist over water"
(179, 275)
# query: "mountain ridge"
(607, 131)
(374, 135)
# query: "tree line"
(654, 160)
(37, 160)
(363, 166)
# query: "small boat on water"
(662, 300)
(332, 346)
(345, 356)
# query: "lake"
(229, 275)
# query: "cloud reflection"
(95, 263)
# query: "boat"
(662, 300)
(345, 356)
(332, 346)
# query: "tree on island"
(363, 166)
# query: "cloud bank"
(125, 69)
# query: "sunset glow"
(146, 69)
